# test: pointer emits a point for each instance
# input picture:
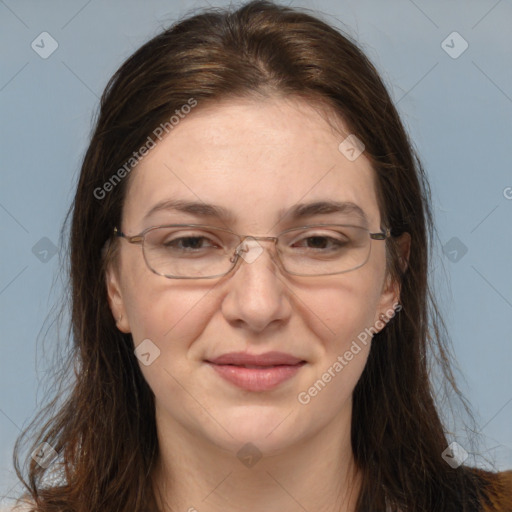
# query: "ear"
(115, 299)
(390, 295)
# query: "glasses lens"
(189, 251)
(322, 250)
(195, 252)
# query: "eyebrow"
(297, 212)
(304, 210)
(193, 208)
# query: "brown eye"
(188, 243)
(322, 242)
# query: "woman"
(250, 305)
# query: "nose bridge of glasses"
(257, 238)
(249, 247)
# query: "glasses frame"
(139, 240)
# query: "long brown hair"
(103, 428)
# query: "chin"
(267, 428)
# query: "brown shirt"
(499, 494)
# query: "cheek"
(172, 317)
(341, 316)
(163, 310)
(168, 313)
(340, 311)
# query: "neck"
(192, 474)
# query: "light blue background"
(458, 112)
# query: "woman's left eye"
(321, 242)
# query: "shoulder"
(21, 506)
(497, 490)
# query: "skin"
(253, 157)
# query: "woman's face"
(255, 160)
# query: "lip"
(265, 359)
(261, 372)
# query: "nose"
(257, 295)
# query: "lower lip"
(256, 379)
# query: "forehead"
(254, 158)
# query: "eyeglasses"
(196, 251)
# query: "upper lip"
(266, 359)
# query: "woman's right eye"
(188, 242)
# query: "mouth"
(256, 372)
